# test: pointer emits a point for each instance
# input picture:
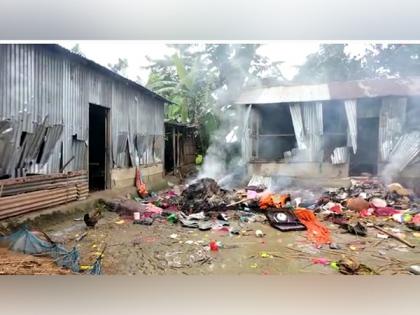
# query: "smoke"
(226, 158)
(405, 151)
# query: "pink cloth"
(251, 194)
(385, 211)
(320, 261)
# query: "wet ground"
(167, 249)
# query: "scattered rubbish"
(172, 218)
(259, 233)
(85, 267)
(120, 222)
(357, 229)
(394, 236)
(173, 236)
(251, 194)
(253, 266)
(145, 221)
(284, 220)
(335, 246)
(214, 247)
(386, 211)
(222, 216)
(378, 202)
(320, 261)
(415, 269)
(205, 226)
(316, 232)
(140, 185)
(196, 216)
(334, 265)
(269, 200)
(80, 237)
(350, 266)
(381, 235)
(265, 255)
(398, 189)
(97, 265)
(203, 195)
(414, 226)
(127, 208)
(357, 204)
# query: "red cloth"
(317, 232)
(385, 211)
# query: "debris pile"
(332, 228)
(204, 195)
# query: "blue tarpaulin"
(27, 242)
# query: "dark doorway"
(98, 147)
(366, 158)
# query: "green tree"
(392, 60)
(330, 63)
(120, 66)
(76, 50)
(203, 79)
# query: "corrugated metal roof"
(89, 62)
(332, 91)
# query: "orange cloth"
(317, 232)
(273, 200)
(141, 187)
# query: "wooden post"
(174, 148)
(258, 135)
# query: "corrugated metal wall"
(37, 82)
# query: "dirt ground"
(169, 249)
(13, 263)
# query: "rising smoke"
(226, 158)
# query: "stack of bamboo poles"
(27, 194)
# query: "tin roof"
(332, 91)
(84, 60)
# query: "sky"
(291, 53)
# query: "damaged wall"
(368, 126)
(45, 93)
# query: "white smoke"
(225, 160)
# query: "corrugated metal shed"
(332, 91)
(47, 82)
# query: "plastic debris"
(320, 261)
(259, 233)
(265, 255)
(214, 247)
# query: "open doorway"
(366, 158)
(98, 147)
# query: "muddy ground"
(169, 249)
